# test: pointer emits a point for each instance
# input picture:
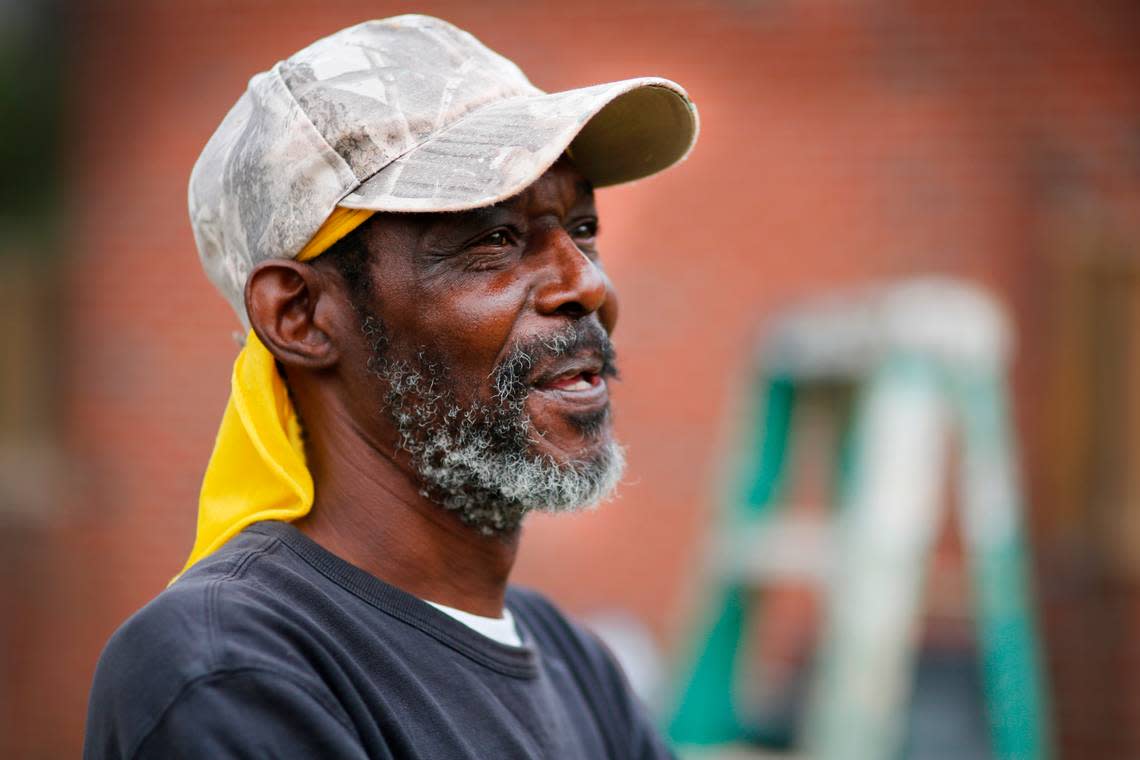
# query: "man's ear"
(290, 308)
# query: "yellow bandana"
(257, 470)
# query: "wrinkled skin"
(482, 459)
(463, 290)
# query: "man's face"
(488, 343)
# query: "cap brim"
(616, 132)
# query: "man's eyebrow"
(472, 219)
(477, 217)
(458, 224)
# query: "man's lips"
(577, 380)
(582, 381)
(571, 374)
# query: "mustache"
(578, 338)
(583, 337)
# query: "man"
(408, 227)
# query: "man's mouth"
(564, 376)
(572, 374)
(577, 381)
(572, 382)
(583, 381)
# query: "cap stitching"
(301, 109)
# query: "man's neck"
(368, 511)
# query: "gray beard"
(479, 460)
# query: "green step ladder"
(922, 361)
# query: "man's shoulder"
(186, 632)
(240, 584)
(224, 618)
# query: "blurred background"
(844, 144)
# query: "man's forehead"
(562, 179)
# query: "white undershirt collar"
(500, 629)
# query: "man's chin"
(493, 492)
(589, 475)
(517, 449)
(568, 433)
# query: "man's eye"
(496, 239)
(588, 229)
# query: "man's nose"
(574, 285)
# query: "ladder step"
(789, 548)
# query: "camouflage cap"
(407, 114)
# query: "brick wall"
(840, 142)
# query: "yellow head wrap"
(258, 470)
